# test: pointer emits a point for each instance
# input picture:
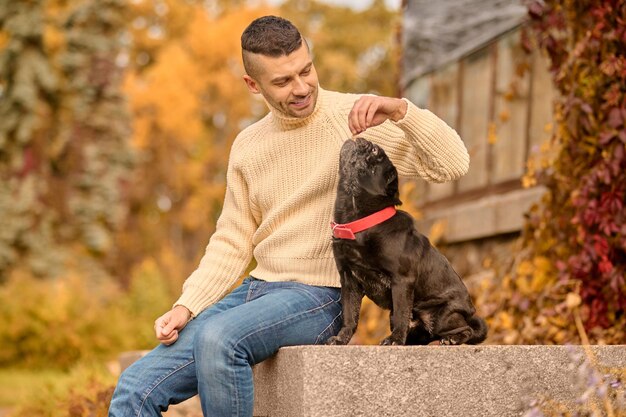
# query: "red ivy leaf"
(535, 9)
(613, 95)
(605, 137)
(615, 119)
(586, 108)
(605, 266)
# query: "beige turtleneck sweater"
(280, 189)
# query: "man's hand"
(169, 324)
(370, 111)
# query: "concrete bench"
(378, 381)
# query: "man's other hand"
(169, 324)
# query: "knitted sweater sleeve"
(423, 146)
(229, 250)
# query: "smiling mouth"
(302, 103)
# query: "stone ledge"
(411, 381)
(373, 381)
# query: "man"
(281, 185)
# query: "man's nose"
(300, 88)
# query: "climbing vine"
(580, 225)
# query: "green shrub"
(86, 392)
(55, 323)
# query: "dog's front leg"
(402, 301)
(351, 296)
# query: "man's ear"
(251, 84)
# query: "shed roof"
(437, 32)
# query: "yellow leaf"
(560, 336)
(548, 128)
(525, 268)
(546, 146)
(542, 263)
(492, 138)
(538, 282)
(558, 321)
(572, 300)
(4, 40)
(523, 286)
(506, 320)
(511, 337)
(528, 181)
(506, 282)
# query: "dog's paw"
(389, 341)
(449, 341)
(335, 340)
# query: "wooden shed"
(463, 60)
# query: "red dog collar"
(348, 230)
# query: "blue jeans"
(214, 352)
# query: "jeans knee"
(215, 349)
(129, 383)
(212, 341)
(127, 395)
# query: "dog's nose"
(360, 142)
(348, 145)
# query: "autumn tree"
(27, 88)
(188, 105)
(63, 132)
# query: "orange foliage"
(187, 105)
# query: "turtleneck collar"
(287, 122)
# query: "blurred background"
(116, 120)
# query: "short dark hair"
(270, 36)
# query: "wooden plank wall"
(499, 99)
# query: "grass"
(18, 385)
(84, 390)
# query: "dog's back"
(442, 305)
(441, 295)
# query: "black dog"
(391, 262)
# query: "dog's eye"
(374, 150)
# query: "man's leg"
(166, 375)
(229, 343)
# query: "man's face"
(289, 83)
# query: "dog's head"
(364, 166)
